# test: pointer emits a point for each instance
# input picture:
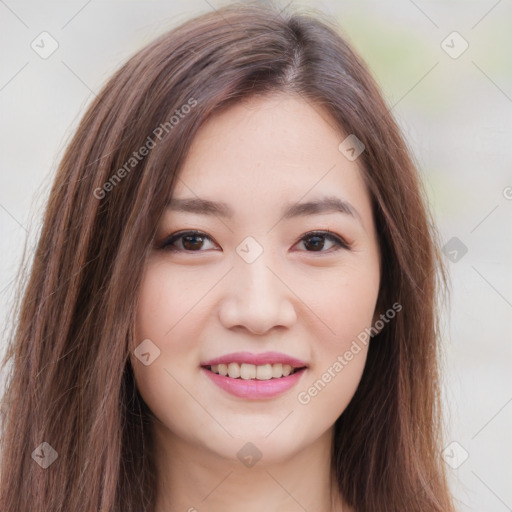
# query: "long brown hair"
(71, 384)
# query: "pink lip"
(255, 389)
(256, 359)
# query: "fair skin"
(300, 297)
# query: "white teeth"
(264, 372)
(247, 371)
(234, 370)
(251, 371)
(277, 370)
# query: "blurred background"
(445, 69)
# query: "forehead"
(271, 150)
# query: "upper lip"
(256, 359)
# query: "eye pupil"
(318, 241)
(193, 245)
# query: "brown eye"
(316, 241)
(191, 241)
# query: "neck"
(192, 478)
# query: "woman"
(233, 299)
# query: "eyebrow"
(327, 204)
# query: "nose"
(257, 298)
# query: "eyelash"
(327, 235)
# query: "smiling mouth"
(254, 372)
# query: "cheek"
(161, 317)
(169, 313)
(331, 386)
(158, 299)
(346, 305)
(161, 305)
(345, 308)
(167, 302)
(172, 312)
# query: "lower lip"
(252, 388)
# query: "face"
(261, 284)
